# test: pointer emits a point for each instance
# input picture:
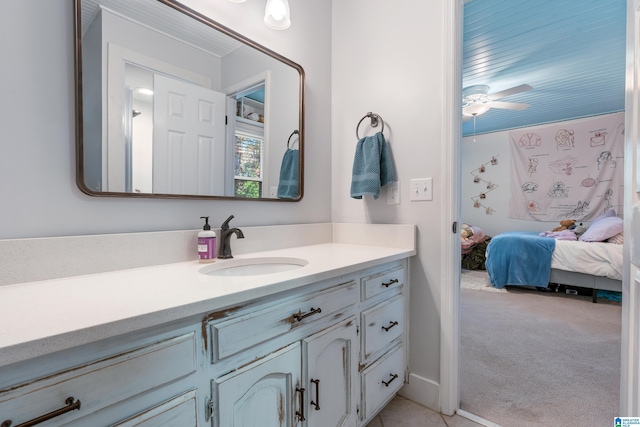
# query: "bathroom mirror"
(172, 104)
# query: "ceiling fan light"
(475, 110)
(475, 91)
(277, 15)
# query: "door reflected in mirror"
(171, 104)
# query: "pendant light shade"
(277, 14)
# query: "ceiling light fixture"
(276, 14)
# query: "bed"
(528, 259)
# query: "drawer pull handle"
(300, 413)
(393, 377)
(71, 406)
(391, 325)
(316, 405)
(299, 316)
(390, 282)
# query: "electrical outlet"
(393, 193)
(421, 189)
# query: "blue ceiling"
(572, 53)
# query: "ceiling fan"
(477, 100)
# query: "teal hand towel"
(372, 167)
(288, 187)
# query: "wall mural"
(560, 172)
(480, 201)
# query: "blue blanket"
(519, 258)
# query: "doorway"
(450, 392)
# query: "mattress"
(595, 258)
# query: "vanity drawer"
(382, 380)
(101, 383)
(382, 324)
(177, 412)
(380, 282)
(234, 335)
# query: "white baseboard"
(477, 419)
(423, 391)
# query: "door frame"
(630, 365)
(450, 237)
(450, 280)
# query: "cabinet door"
(264, 394)
(332, 358)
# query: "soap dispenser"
(206, 243)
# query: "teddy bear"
(466, 231)
(564, 225)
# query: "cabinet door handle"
(393, 377)
(316, 404)
(300, 413)
(71, 406)
(299, 316)
(391, 325)
(390, 282)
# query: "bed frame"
(585, 281)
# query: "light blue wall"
(38, 193)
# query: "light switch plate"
(421, 189)
(393, 193)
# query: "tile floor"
(401, 412)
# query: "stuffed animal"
(564, 224)
(466, 231)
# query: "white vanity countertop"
(39, 318)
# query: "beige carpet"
(477, 280)
(531, 358)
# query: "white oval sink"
(253, 266)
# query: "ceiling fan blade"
(509, 92)
(509, 105)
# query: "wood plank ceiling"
(572, 53)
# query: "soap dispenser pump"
(206, 243)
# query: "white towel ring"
(295, 132)
(375, 118)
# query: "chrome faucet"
(225, 238)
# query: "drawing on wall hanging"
(529, 187)
(580, 211)
(533, 166)
(488, 185)
(560, 172)
(559, 190)
(606, 159)
(564, 138)
(563, 166)
(530, 140)
(598, 139)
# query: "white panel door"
(265, 394)
(188, 138)
(630, 369)
(331, 376)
